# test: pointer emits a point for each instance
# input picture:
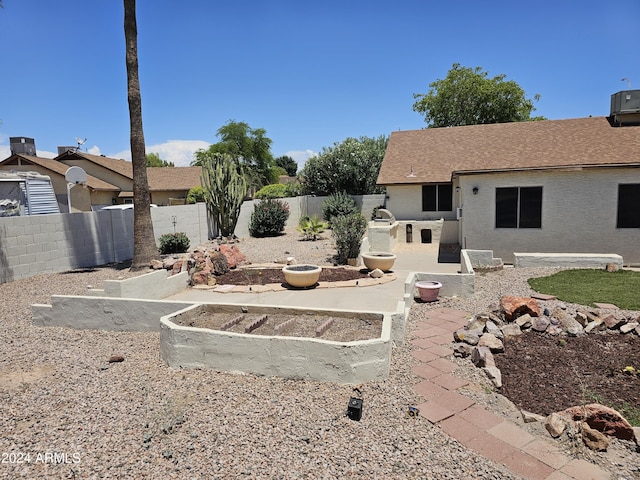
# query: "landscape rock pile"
(204, 263)
(484, 336)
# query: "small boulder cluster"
(205, 263)
(485, 333)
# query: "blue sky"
(309, 73)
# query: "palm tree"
(144, 244)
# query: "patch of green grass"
(584, 287)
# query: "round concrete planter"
(429, 291)
(382, 260)
(301, 276)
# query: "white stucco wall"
(579, 211)
(405, 202)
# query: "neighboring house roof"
(56, 167)
(159, 178)
(173, 178)
(434, 154)
(120, 166)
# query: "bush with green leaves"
(174, 243)
(195, 195)
(279, 190)
(275, 190)
(311, 227)
(347, 231)
(338, 204)
(268, 218)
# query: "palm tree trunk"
(144, 244)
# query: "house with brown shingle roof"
(167, 185)
(94, 192)
(544, 186)
(110, 180)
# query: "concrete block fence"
(55, 243)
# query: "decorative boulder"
(514, 307)
(604, 419)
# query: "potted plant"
(428, 290)
(301, 276)
(382, 260)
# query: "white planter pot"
(301, 276)
(382, 260)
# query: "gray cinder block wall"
(54, 243)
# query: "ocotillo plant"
(224, 189)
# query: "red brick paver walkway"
(472, 425)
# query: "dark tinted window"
(628, 206)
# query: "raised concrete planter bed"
(569, 260)
(275, 355)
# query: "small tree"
(224, 189)
(288, 163)
(338, 204)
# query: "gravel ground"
(68, 413)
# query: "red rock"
(604, 419)
(177, 267)
(116, 359)
(514, 307)
(233, 254)
(201, 277)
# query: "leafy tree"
(154, 160)
(351, 166)
(469, 97)
(288, 163)
(144, 243)
(249, 147)
(224, 189)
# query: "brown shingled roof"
(434, 154)
(120, 166)
(60, 168)
(173, 178)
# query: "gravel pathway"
(69, 413)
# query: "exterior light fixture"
(475, 190)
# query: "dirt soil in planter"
(263, 276)
(343, 329)
(544, 374)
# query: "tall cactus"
(224, 189)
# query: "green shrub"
(275, 190)
(294, 189)
(374, 212)
(195, 195)
(347, 231)
(338, 204)
(268, 218)
(174, 243)
(279, 190)
(311, 227)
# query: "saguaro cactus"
(224, 189)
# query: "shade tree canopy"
(154, 160)
(350, 166)
(468, 96)
(249, 147)
(288, 163)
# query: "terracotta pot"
(382, 260)
(428, 290)
(301, 276)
